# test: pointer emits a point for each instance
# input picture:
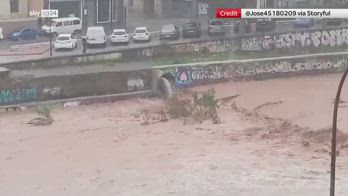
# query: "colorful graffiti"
(185, 76)
(18, 95)
(21, 95)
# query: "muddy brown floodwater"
(268, 145)
(306, 101)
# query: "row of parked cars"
(97, 36)
(72, 25)
(65, 30)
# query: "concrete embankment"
(66, 82)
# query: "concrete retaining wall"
(291, 40)
(186, 75)
(77, 60)
(62, 87)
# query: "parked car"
(1, 34)
(24, 34)
(236, 26)
(68, 25)
(119, 36)
(96, 36)
(265, 24)
(333, 21)
(304, 22)
(170, 31)
(141, 34)
(65, 41)
(216, 26)
(191, 29)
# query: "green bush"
(178, 108)
(207, 100)
(44, 110)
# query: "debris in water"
(267, 104)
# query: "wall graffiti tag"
(18, 95)
(51, 92)
(185, 76)
(331, 38)
(21, 95)
(317, 38)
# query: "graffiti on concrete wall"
(252, 43)
(331, 38)
(185, 76)
(208, 46)
(328, 38)
(20, 95)
(51, 92)
(135, 84)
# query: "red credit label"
(228, 13)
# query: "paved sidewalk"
(26, 49)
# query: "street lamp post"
(112, 14)
(125, 17)
(50, 13)
(334, 133)
(50, 36)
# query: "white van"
(96, 36)
(69, 25)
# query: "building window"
(106, 8)
(14, 6)
(103, 9)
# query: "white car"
(96, 36)
(1, 34)
(141, 34)
(65, 41)
(119, 36)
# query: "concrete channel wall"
(185, 75)
(71, 86)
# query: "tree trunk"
(243, 24)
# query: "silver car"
(216, 27)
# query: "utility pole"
(50, 36)
(125, 17)
(112, 14)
